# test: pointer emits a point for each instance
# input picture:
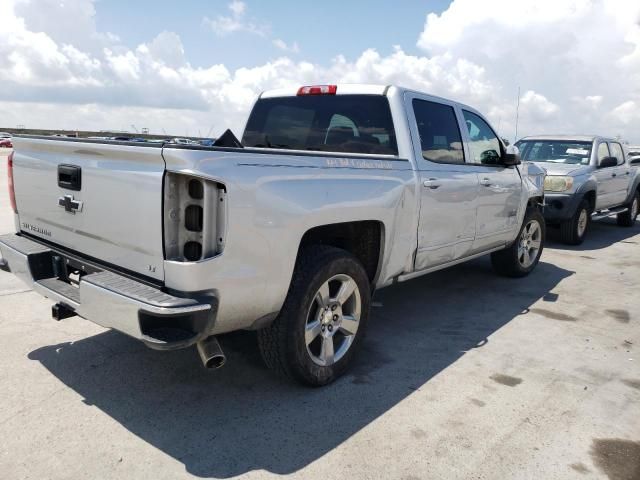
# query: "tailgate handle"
(70, 177)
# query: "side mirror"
(607, 162)
(490, 157)
(512, 156)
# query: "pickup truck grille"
(194, 218)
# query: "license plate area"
(70, 270)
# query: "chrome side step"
(608, 213)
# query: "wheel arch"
(635, 189)
(535, 202)
(362, 238)
(590, 196)
(587, 190)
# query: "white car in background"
(183, 141)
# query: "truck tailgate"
(113, 213)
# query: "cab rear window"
(326, 123)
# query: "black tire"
(507, 262)
(282, 344)
(571, 231)
(628, 218)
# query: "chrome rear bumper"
(160, 320)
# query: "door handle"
(613, 175)
(69, 177)
(486, 182)
(432, 183)
(627, 172)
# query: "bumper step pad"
(136, 290)
(161, 320)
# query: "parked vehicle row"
(335, 191)
(5, 139)
(175, 140)
(588, 177)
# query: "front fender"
(590, 185)
(533, 176)
(635, 185)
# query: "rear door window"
(603, 152)
(440, 137)
(327, 123)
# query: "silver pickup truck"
(334, 192)
(589, 177)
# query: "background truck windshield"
(328, 123)
(555, 151)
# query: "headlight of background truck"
(557, 183)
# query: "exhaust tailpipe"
(210, 352)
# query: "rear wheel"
(323, 320)
(628, 218)
(523, 255)
(574, 230)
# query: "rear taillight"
(318, 90)
(194, 218)
(12, 192)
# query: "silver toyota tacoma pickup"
(335, 191)
(589, 177)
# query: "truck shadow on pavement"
(601, 234)
(241, 418)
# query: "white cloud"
(562, 50)
(626, 112)
(167, 47)
(282, 45)
(593, 100)
(223, 25)
(538, 106)
(452, 25)
(578, 66)
(65, 22)
(237, 7)
(125, 66)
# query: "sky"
(195, 67)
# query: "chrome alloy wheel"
(582, 222)
(634, 208)
(529, 243)
(332, 320)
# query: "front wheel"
(628, 218)
(573, 231)
(523, 255)
(323, 320)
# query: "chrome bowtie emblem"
(69, 204)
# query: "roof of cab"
(574, 138)
(360, 89)
(343, 89)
